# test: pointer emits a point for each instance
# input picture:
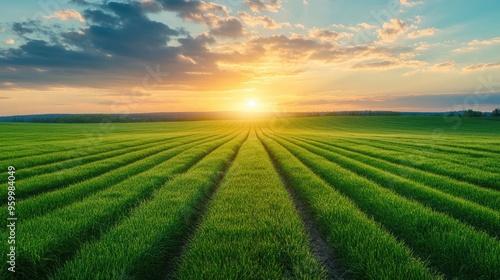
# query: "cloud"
(216, 17)
(389, 63)
(230, 27)
(368, 26)
(488, 42)
(298, 49)
(66, 15)
(115, 49)
(263, 5)
(264, 21)
(375, 64)
(195, 11)
(22, 28)
(392, 30)
(405, 3)
(482, 66)
(476, 44)
(422, 33)
(444, 66)
(324, 34)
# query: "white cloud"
(263, 5)
(392, 30)
(323, 34)
(444, 66)
(264, 21)
(475, 44)
(366, 25)
(301, 26)
(66, 15)
(422, 33)
(482, 66)
(491, 41)
(405, 3)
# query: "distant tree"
(496, 112)
(472, 114)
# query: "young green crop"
(466, 211)
(364, 249)
(68, 176)
(379, 210)
(484, 160)
(50, 239)
(158, 225)
(46, 202)
(431, 235)
(251, 229)
(481, 196)
(441, 166)
(72, 160)
(31, 153)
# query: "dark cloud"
(21, 28)
(216, 17)
(114, 49)
(39, 53)
(100, 17)
(228, 28)
(128, 33)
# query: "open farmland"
(304, 198)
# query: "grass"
(251, 229)
(307, 198)
(46, 202)
(157, 225)
(469, 212)
(366, 251)
(467, 191)
(430, 235)
(50, 239)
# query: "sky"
(85, 56)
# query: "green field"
(299, 198)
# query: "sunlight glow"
(251, 103)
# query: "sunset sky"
(83, 56)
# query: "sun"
(251, 103)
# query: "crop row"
(73, 174)
(461, 209)
(49, 240)
(158, 225)
(431, 235)
(251, 229)
(412, 158)
(107, 152)
(363, 248)
(483, 196)
(45, 202)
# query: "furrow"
(48, 241)
(157, 224)
(430, 234)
